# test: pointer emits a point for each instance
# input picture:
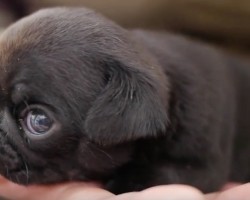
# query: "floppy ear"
(131, 106)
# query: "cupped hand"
(84, 191)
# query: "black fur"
(133, 109)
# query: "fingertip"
(84, 193)
(241, 192)
(173, 192)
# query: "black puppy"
(84, 99)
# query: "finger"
(75, 192)
(240, 193)
(212, 196)
(10, 190)
(63, 191)
(230, 185)
(170, 192)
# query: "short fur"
(134, 108)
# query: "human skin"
(91, 191)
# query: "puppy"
(83, 99)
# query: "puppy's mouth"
(19, 176)
(12, 166)
(25, 175)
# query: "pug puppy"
(83, 99)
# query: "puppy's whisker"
(7, 170)
(8, 127)
(26, 104)
(90, 151)
(27, 171)
(17, 179)
(14, 111)
(104, 153)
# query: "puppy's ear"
(131, 106)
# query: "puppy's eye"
(38, 122)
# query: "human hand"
(83, 191)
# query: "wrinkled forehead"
(7, 50)
(17, 47)
(15, 38)
(25, 58)
(34, 30)
(29, 37)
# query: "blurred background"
(225, 23)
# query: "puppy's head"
(76, 92)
